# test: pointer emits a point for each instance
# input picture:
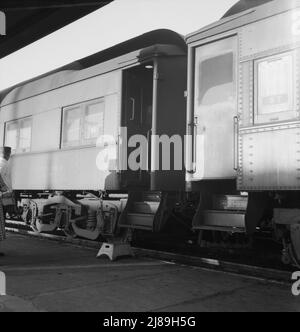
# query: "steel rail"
(266, 274)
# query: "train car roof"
(243, 5)
(156, 42)
(236, 20)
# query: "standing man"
(5, 189)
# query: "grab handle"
(132, 109)
(195, 134)
(192, 136)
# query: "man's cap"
(5, 150)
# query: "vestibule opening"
(137, 113)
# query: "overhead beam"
(30, 20)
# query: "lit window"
(275, 85)
(18, 135)
(83, 123)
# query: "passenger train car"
(70, 132)
(229, 98)
(243, 112)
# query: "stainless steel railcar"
(53, 123)
(243, 112)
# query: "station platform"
(44, 275)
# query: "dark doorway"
(137, 118)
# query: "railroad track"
(267, 274)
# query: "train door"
(137, 119)
(215, 110)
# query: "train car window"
(18, 135)
(94, 121)
(11, 135)
(275, 88)
(215, 74)
(83, 123)
(72, 120)
(25, 135)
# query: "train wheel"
(295, 244)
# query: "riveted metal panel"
(297, 85)
(248, 16)
(274, 33)
(270, 158)
(246, 94)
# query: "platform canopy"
(30, 20)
